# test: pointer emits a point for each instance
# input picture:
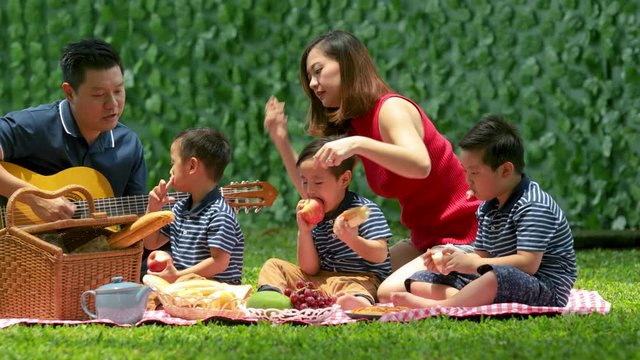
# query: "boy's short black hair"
(87, 54)
(315, 145)
(208, 145)
(498, 139)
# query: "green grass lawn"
(615, 274)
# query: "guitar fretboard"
(135, 204)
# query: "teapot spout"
(143, 294)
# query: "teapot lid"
(117, 284)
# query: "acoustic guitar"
(246, 195)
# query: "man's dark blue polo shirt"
(46, 140)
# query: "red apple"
(158, 260)
(313, 211)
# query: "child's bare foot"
(412, 301)
(349, 302)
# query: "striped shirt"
(531, 220)
(212, 224)
(336, 256)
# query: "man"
(81, 130)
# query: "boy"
(343, 261)
(524, 246)
(205, 236)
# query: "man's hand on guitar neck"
(51, 209)
(158, 196)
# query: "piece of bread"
(437, 258)
(356, 215)
(155, 282)
(141, 228)
(470, 193)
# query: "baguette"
(141, 228)
(356, 215)
(155, 282)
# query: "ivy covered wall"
(566, 71)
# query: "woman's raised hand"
(275, 120)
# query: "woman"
(403, 154)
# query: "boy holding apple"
(524, 246)
(205, 236)
(345, 255)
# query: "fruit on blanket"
(307, 296)
(269, 300)
(158, 260)
(356, 215)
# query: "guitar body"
(91, 179)
(246, 195)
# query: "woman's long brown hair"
(360, 83)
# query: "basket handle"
(66, 190)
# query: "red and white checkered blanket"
(581, 302)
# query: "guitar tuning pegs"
(236, 210)
(246, 210)
(256, 209)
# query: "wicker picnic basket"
(38, 280)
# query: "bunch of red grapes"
(306, 296)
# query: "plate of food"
(279, 316)
(373, 312)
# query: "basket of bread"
(196, 298)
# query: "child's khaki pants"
(283, 274)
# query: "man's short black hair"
(87, 54)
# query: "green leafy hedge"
(565, 71)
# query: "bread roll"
(356, 215)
